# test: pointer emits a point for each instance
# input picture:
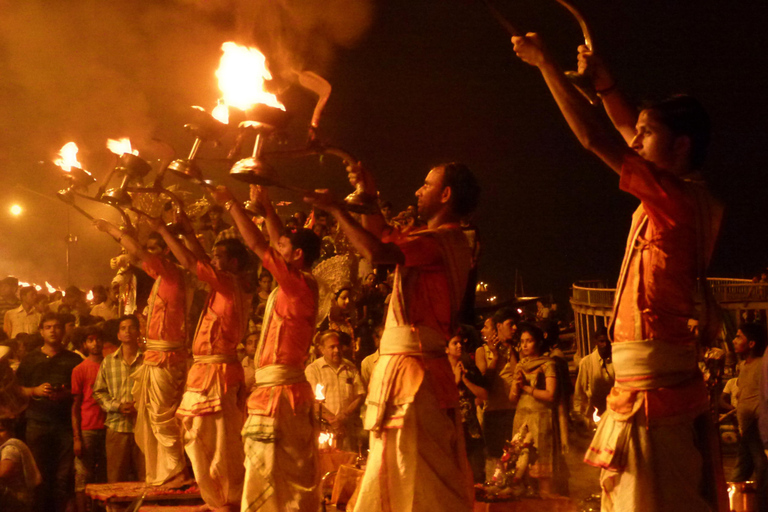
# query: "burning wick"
(89, 296)
(121, 147)
(595, 416)
(68, 160)
(319, 396)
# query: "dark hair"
(10, 281)
(551, 331)
(157, 237)
(73, 292)
(465, 191)
(25, 290)
(685, 116)
(77, 337)
(756, 333)
(94, 330)
(132, 318)
(67, 318)
(48, 317)
(537, 335)
(504, 314)
(600, 330)
(308, 242)
(110, 330)
(338, 292)
(235, 249)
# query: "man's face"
(154, 247)
(52, 332)
(387, 212)
(220, 260)
(114, 291)
(654, 141)
(128, 332)
(285, 248)
(740, 343)
(41, 304)
(28, 299)
(603, 347)
(332, 350)
(429, 196)
(506, 330)
(93, 345)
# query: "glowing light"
(89, 297)
(50, 288)
(325, 440)
(221, 113)
(121, 147)
(23, 284)
(68, 160)
(319, 392)
(520, 311)
(38, 288)
(595, 416)
(16, 210)
(242, 73)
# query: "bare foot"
(177, 481)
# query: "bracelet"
(607, 90)
(228, 205)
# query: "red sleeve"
(157, 266)
(661, 192)
(421, 251)
(221, 282)
(77, 381)
(288, 278)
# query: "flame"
(221, 113)
(122, 146)
(242, 72)
(38, 287)
(89, 296)
(68, 154)
(595, 416)
(50, 288)
(319, 392)
(23, 284)
(325, 438)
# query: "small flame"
(121, 147)
(595, 416)
(221, 112)
(89, 296)
(319, 392)
(242, 72)
(38, 287)
(50, 288)
(23, 284)
(325, 438)
(68, 154)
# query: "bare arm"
(359, 175)
(131, 244)
(251, 233)
(7, 468)
(479, 391)
(76, 422)
(577, 112)
(272, 221)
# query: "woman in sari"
(535, 390)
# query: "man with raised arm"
(281, 460)
(652, 442)
(160, 380)
(210, 411)
(417, 461)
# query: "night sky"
(417, 83)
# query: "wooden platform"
(117, 497)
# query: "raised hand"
(530, 49)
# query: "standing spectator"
(249, 363)
(107, 309)
(542, 310)
(46, 375)
(470, 382)
(88, 427)
(113, 391)
(343, 389)
(8, 299)
(18, 472)
(595, 378)
(25, 318)
(41, 303)
(496, 360)
(750, 344)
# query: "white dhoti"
(158, 389)
(212, 441)
(417, 459)
(281, 458)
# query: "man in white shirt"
(343, 389)
(25, 318)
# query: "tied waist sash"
(412, 340)
(163, 346)
(661, 379)
(216, 359)
(278, 375)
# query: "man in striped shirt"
(113, 391)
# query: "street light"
(16, 210)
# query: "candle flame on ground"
(68, 154)
(121, 147)
(241, 74)
(319, 392)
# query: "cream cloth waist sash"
(216, 359)
(278, 375)
(653, 364)
(412, 340)
(163, 346)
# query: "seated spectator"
(18, 472)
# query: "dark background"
(416, 83)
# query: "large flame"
(122, 146)
(221, 112)
(242, 72)
(68, 160)
(325, 438)
(319, 392)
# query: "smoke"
(89, 70)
